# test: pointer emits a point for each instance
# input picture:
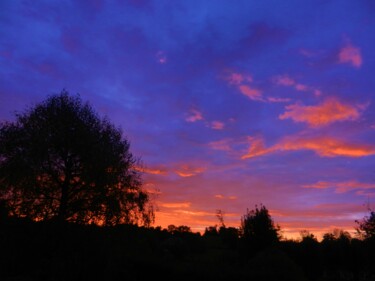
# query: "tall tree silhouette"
(60, 160)
(258, 228)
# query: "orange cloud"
(327, 147)
(242, 82)
(352, 55)
(220, 196)
(187, 171)
(252, 94)
(176, 205)
(341, 187)
(151, 171)
(257, 148)
(323, 146)
(331, 110)
(195, 115)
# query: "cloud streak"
(322, 146)
(187, 171)
(342, 187)
(330, 111)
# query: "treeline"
(52, 250)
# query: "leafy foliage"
(60, 160)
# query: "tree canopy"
(258, 227)
(60, 160)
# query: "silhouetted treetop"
(60, 160)
(258, 227)
(366, 227)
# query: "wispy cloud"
(257, 148)
(276, 99)
(222, 197)
(194, 116)
(251, 93)
(350, 55)
(286, 80)
(238, 78)
(322, 146)
(152, 171)
(188, 171)
(243, 82)
(224, 144)
(176, 205)
(342, 187)
(217, 125)
(330, 111)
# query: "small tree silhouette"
(59, 160)
(258, 228)
(366, 226)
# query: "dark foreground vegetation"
(54, 251)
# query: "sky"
(228, 105)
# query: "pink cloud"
(322, 146)
(257, 148)
(252, 94)
(217, 125)
(195, 115)
(238, 78)
(284, 81)
(351, 55)
(330, 111)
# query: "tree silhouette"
(60, 160)
(366, 227)
(258, 228)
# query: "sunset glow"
(226, 104)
